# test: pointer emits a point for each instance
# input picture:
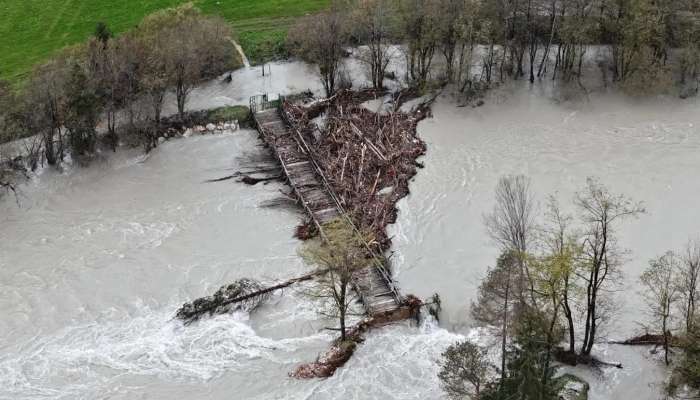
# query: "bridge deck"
(374, 285)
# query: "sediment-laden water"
(94, 261)
(648, 150)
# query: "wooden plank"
(307, 181)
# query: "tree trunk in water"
(550, 345)
(569, 317)
(504, 332)
(667, 307)
(690, 312)
(587, 332)
(49, 152)
(343, 289)
(591, 327)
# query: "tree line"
(550, 294)
(649, 43)
(114, 81)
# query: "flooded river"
(94, 261)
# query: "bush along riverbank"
(117, 84)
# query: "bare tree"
(661, 293)
(453, 26)
(129, 59)
(154, 80)
(600, 212)
(320, 39)
(180, 33)
(575, 32)
(419, 27)
(554, 24)
(511, 223)
(45, 106)
(467, 35)
(83, 108)
(373, 25)
(491, 31)
(341, 253)
(465, 370)
(688, 280)
(101, 59)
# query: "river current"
(94, 261)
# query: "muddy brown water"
(96, 260)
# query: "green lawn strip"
(32, 30)
(228, 113)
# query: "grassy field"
(31, 30)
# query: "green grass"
(226, 114)
(32, 30)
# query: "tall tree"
(419, 27)
(497, 303)
(341, 253)
(320, 39)
(454, 29)
(557, 272)
(373, 26)
(601, 212)
(45, 105)
(83, 108)
(180, 33)
(661, 294)
(689, 282)
(511, 224)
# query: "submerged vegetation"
(554, 284)
(650, 46)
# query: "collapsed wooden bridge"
(374, 284)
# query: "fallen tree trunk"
(646, 340)
(222, 301)
(340, 352)
(567, 357)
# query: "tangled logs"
(368, 157)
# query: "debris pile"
(367, 157)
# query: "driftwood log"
(340, 352)
(368, 158)
(646, 339)
(243, 294)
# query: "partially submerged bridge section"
(305, 176)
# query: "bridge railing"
(262, 102)
(376, 258)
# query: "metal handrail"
(264, 103)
